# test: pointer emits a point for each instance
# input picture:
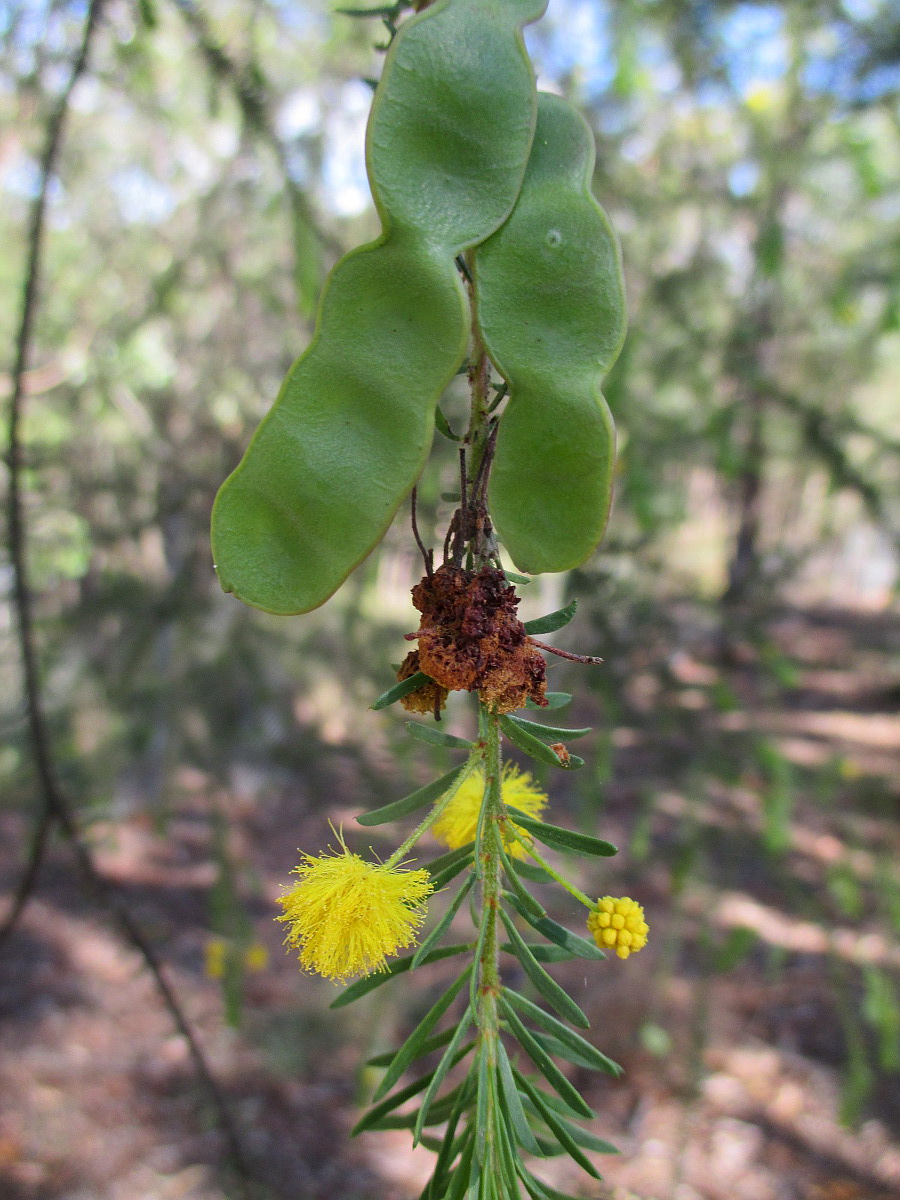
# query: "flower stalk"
(446, 800)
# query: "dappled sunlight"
(734, 910)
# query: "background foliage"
(744, 601)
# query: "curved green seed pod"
(447, 144)
(551, 308)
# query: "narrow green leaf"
(522, 895)
(438, 865)
(559, 1131)
(418, 799)
(552, 621)
(451, 1144)
(443, 878)
(521, 1129)
(441, 1109)
(554, 700)
(544, 1062)
(563, 839)
(433, 1144)
(434, 1043)
(379, 1117)
(443, 426)
(589, 1140)
(440, 1072)
(529, 744)
(545, 984)
(509, 1155)
(513, 577)
(444, 924)
(544, 954)
(463, 1174)
(538, 1190)
(561, 936)
(556, 1049)
(533, 873)
(589, 1055)
(555, 1102)
(369, 982)
(436, 737)
(374, 1115)
(549, 1149)
(550, 733)
(401, 689)
(411, 1048)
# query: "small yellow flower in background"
(256, 957)
(849, 769)
(214, 953)
(619, 924)
(346, 915)
(456, 825)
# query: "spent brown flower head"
(428, 698)
(471, 639)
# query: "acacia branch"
(56, 809)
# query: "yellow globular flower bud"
(458, 822)
(618, 924)
(346, 915)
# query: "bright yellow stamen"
(346, 915)
(458, 822)
(618, 923)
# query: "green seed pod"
(551, 308)
(447, 143)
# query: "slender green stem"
(554, 874)
(487, 1018)
(479, 385)
(400, 853)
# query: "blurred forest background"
(747, 753)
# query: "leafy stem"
(488, 852)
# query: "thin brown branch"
(28, 882)
(586, 659)
(427, 555)
(56, 809)
(37, 726)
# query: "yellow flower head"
(456, 825)
(619, 924)
(256, 957)
(345, 915)
(214, 954)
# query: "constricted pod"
(551, 307)
(447, 143)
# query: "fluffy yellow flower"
(456, 825)
(619, 924)
(345, 915)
